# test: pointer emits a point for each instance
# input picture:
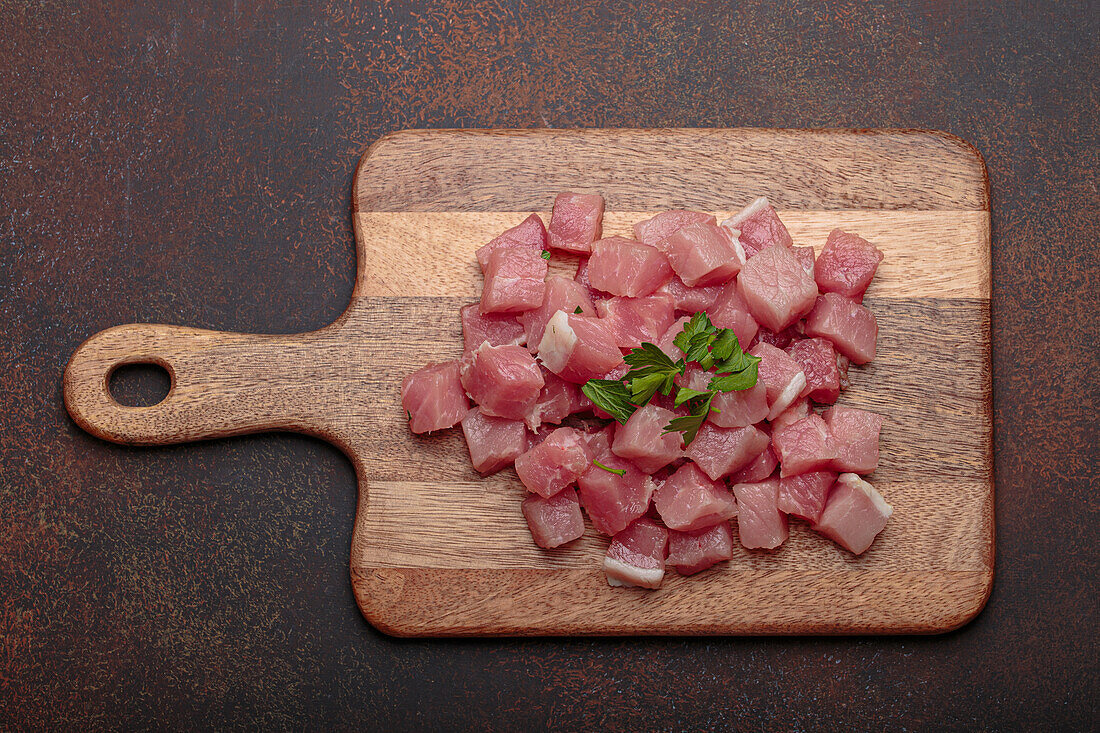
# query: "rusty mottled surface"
(191, 164)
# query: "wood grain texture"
(438, 551)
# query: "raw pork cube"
(529, 233)
(666, 342)
(760, 524)
(854, 514)
(691, 300)
(729, 409)
(799, 409)
(504, 381)
(555, 463)
(577, 221)
(803, 446)
(634, 320)
(688, 500)
(804, 495)
(805, 255)
(850, 326)
(761, 468)
(514, 279)
(582, 277)
(731, 311)
(782, 376)
(562, 294)
(847, 265)
(642, 440)
(578, 348)
(624, 267)
(653, 230)
(856, 434)
(776, 288)
(817, 357)
(692, 552)
(433, 397)
(758, 227)
(613, 501)
(636, 556)
(556, 520)
(557, 399)
(701, 254)
(494, 442)
(722, 451)
(499, 329)
(599, 442)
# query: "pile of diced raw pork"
(763, 454)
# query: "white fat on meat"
(557, 342)
(870, 491)
(789, 394)
(734, 222)
(621, 574)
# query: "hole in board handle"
(141, 384)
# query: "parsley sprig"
(652, 371)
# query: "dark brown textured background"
(193, 165)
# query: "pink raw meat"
(722, 451)
(854, 514)
(514, 279)
(636, 556)
(578, 348)
(582, 277)
(729, 409)
(783, 339)
(782, 377)
(758, 227)
(851, 327)
(499, 329)
(760, 524)
(555, 463)
(613, 501)
(731, 311)
(804, 495)
(761, 468)
(692, 552)
(805, 255)
(562, 294)
(642, 440)
(634, 320)
(503, 380)
(651, 231)
(529, 233)
(688, 500)
(803, 446)
(666, 342)
(842, 364)
(776, 288)
(433, 397)
(599, 441)
(847, 265)
(856, 433)
(557, 399)
(691, 300)
(576, 222)
(556, 520)
(624, 267)
(799, 409)
(494, 442)
(817, 357)
(701, 254)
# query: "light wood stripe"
(929, 254)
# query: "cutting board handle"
(222, 384)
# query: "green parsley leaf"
(736, 381)
(611, 396)
(699, 324)
(545, 254)
(651, 355)
(643, 388)
(689, 424)
(725, 345)
(578, 310)
(684, 394)
(618, 471)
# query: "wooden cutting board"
(438, 551)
